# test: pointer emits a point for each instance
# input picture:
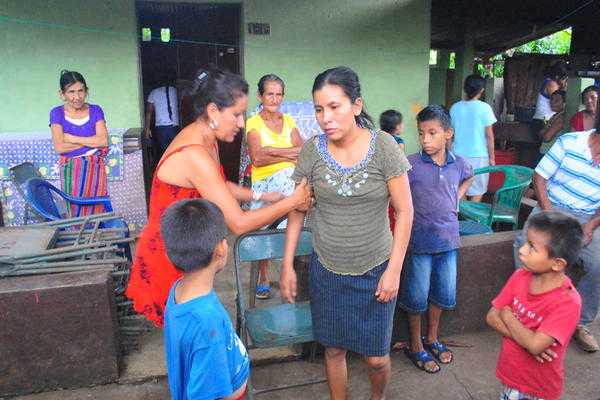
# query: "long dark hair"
(67, 78)
(214, 86)
(347, 80)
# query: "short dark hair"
(561, 93)
(473, 85)
(389, 120)
(269, 78)
(436, 112)
(214, 86)
(559, 69)
(67, 78)
(191, 229)
(565, 234)
(347, 80)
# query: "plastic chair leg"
(313, 351)
(249, 388)
(254, 270)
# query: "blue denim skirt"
(346, 313)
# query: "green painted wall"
(437, 85)
(32, 57)
(309, 36)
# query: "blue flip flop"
(420, 359)
(437, 349)
(263, 292)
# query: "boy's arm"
(489, 137)
(535, 343)
(464, 186)
(237, 394)
(494, 320)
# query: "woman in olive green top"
(355, 269)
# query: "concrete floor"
(470, 376)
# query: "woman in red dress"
(190, 168)
(584, 120)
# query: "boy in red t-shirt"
(537, 310)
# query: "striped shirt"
(571, 179)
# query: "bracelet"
(256, 195)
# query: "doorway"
(200, 36)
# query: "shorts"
(428, 278)
(480, 182)
(508, 393)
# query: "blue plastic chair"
(277, 325)
(40, 194)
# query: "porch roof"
(500, 25)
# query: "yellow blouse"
(272, 139)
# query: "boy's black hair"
(389, 120)
(473, 85)
(565, 234)
(191, 229)
(436, 112)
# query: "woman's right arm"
(148, 119)
(202, 173)
(58, 140)
(288, 282)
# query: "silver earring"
(213, 124)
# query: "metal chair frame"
(19, 174)
(268, 245)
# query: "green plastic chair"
(277, 325)
(507, 200)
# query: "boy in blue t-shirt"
(205, 357)
(438, 178)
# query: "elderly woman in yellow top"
(274, 144)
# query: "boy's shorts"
(428, 278)
(508, 393)
(480, 182)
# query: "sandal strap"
(422, 356)
(439, 347)
(263, 288)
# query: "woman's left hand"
(388, 286)
(272, 197)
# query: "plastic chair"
(277, 325)
(41, 195)
(19, 174)
(506, 201)
(468, 228)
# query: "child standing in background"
(472, 120)
(537, 310)
(437, 180)
(390, 121)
